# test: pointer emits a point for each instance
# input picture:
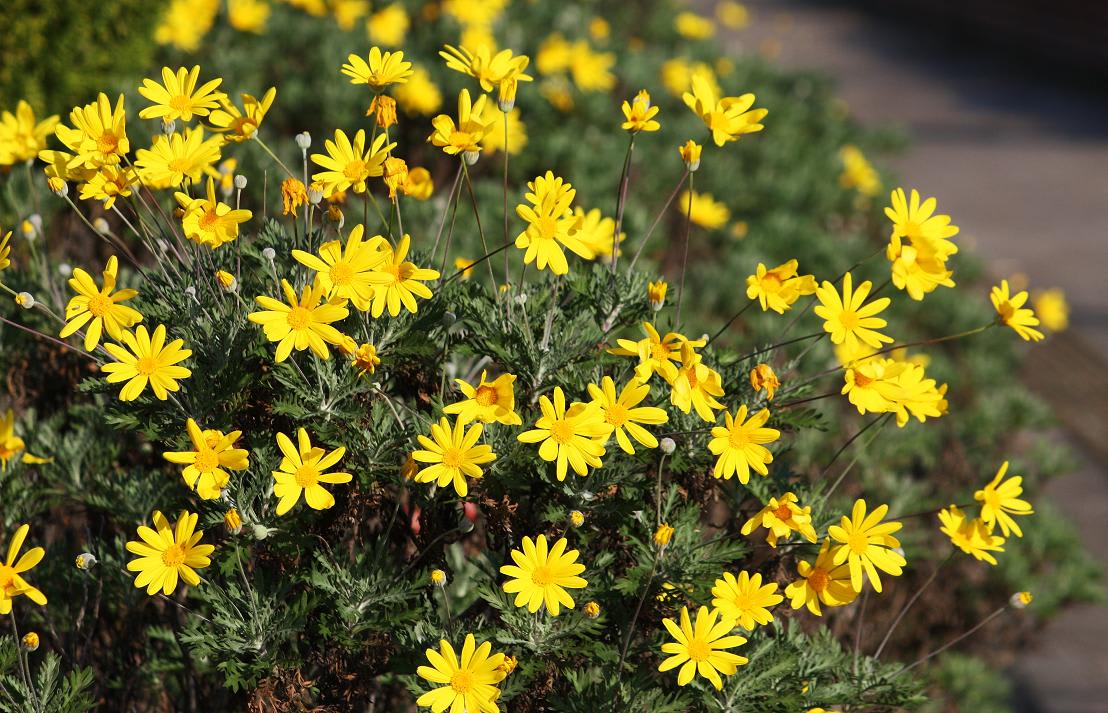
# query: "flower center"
(174, 556)
(306, 476)
(548, 227)
(486, 396)
(355, 170)
(99, 304)
(858, 543)
(699, 650)
(299, 318)
(818, 580)
(861, 380)
(542, 576)
(461, 140)
(616, 414)
(849, 320)
(1006, 312)
(146, 366)
(208, 220)
(992, 499)
(771, 282)
(462, 681)
(107, 142)
(181, 164)
(7, 574)
(659, 352)
(738, 438)
(206, 461)
(181, 102)
(783, 512)
(453, 457)
(341, 274)
(561, 432)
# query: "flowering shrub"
(385, 421)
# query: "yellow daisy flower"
(701, 648)
(21, 136)
(213, 451)
(779, 288)
(98, 136)
(347, 272)
(551, 224)
(241, 124)
(453, 454)
(147, 360)
(1052, 309)
(382, 69)
(208, 221)
(727, 118)
(821, 581)
(973, 537)
(350, 164)
(696, 385)
(624, 414)
(466, 683)
(570, 437)
(167, 553)
(866, 544)
(99, 309)
(744, 599)
(109, 183)
(639, 114)
(489, 70)
(847, 318)
(301, 471)
(706, 211)
(5, 250)
(420, 95)
(10, 444)
(1012, 312)
(12, 583)
(782, 516)
(740, 445)
(466, 135)
(541, 575)
(302, 323)
(1000, 500)
(488, 401)
(657, 354)
(399, 281)
(171, 159)
(178, 97)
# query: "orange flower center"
(861, 380)
(858, 543)
(209, 219)
(659, 351)
(738, 438)
(299, 318)
(355, 170)
(783, 512)
(107, 142)
(542, 576)
(174, 556)
(616, 414)
(206, 461)
(146, 366)
(818, 580)
(486, 396)
(7, 575)
(849, 320)
(99, 305)
(462, 681)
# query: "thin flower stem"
(871, 424)
(933, 511)
(631, 626)
(919, 591)
(658, 489)
(778, 345)
(789, 404)
(621, 199)
(47, 337)
(947, 645)
(470, 266)
(658, 219)
(273, 156)
(185, 609)
(850, 466)
(730, 321)
(507, 276)
(446, 209)
(24, 669)
(446, 605)
(685, 259)
(858, 630)
(480, 229)
(450, 233)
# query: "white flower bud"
(240, 181)
(667, 445)
(470, 157)
(269, 254)
(304, 140)
(169, 126)
(36, 220)
(102, 226)
(86, 561)
(261, 532)
(315, 196)
(191, 291)
(25, 300)
(60, 188)
(65, 269)
(1020, 600)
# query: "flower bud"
(438, 578)
(65, 269)
(30, 641)
(576, 518)
(315, 193)
(656, 293)
(409, 468)
(449, 318)
(85, 561)
(1020, 600)
(304, 140)
(269, 254)
(102, 226)
(592, 610)
(25, 300)
(232, 521)
(508, 665)
(663, 535)
(240, 181)
(261, 532)
(690, 154)
(470, 157)
(226, 280)
(667, 445)
(763, 377)
(169, 126)
(58, 186)
(506, 94)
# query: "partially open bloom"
(232, 521)
(209, 221)
(570, 437)
(867, 544)
(490, 71)
(1012, 313)
(740, 445)
(144, 359)
(467, 683)
(366, 360)
(591, 610)
(383, 111)
(782, 516)
(656, 294)
(727, 118)
(303, 323)
(453, 454)
(109, 183)
(640, 113)
(551, 224)
(779, 288)
(395, 174)
(690, 154)
(294, 195)
(703, 210)
(696, 385)
(541, 575)
(12, 569)
(399, 281)
(763, 377)
(701, 648)
(242, 124)
(1020, 600)
(349, 164)
(29, 642)
(348, 272)
(178, 97)
(382, 69)
(438, 578)
(213, 454)
(973, 537)
(488, 401)
(657, 354)
(464, 136)
(302, 469)
(848, 319)
(663, 534)
(744, 599)
(821, 582)
(624, 414)
(97, 309)
(1000, 500)
(21, 136)
(166, 554)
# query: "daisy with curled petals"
(109, 183)
(171, 159)
(98, 136)
(466, 684)
(1012, 313)
(847, 318)
(541, 575)
(166, 554)
(239, 125)
(700, 648)
(867, 544)
(301, 471)
(745, 599)
(728, 118)
(925, 230)
(821, 582)
(657, 354)
(98, 309)
(382, 69)
(973, 537)
(489, 70)
(782, 516)
(349, 164)
(302, 323)
(12, 569)
(488, 401)
(551, 225)
(453, 454)
(640, 113)
(624, 414)
(696, 385)
(1000, 500)
(466, 135)
(147, 359)
(779, 288)
(22, 136)
(209, 221)
(346, 272)
(398, 281)
(213, 454)
(740, 445)
(569, 437)
(178, 97)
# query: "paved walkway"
(1020, 160)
